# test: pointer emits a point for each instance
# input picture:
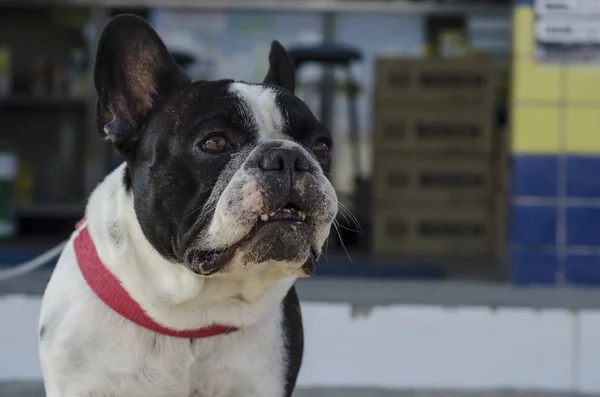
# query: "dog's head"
(225, 176)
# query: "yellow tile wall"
(555, 108)
(535, 92)
(533, 81)
(583, 130)
(523, 23)
(583, 84)
(536, 129)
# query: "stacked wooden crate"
(437, 159)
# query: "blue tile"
(534, 175)
(582, 269)
(583, 226)
(532, 225)
(583, 179)
(533, 268)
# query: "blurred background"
(466, 260)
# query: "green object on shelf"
(8, 176)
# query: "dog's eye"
(215, 144)
(321, 148)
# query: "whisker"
(348, 228)
(359, 230)
(327, 249)
(210, 199)
(342, 242)
(345, 211)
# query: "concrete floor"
(35, 390)
(425, 393)
(367, 293)
(364, 294)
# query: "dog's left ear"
(134, 73)
(281, 68)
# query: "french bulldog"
(179, 281)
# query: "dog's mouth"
(289, 219)
(288, 213)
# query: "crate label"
(444, 80)
(451, 179)
(455, 131)
(451, 229)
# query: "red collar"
(109, 289)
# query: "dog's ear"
(281, 68)
(133, 74)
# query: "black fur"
(157, 119)
(134, 75)
(281, 68)
(294, 339)
(169, 176)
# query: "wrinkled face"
(224, 175)
(232, 168)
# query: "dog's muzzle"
(282, 202)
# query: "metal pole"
(353, 128)
(328, 79)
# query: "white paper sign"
(586, 8)
(567, 31)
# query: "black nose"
(284, 159)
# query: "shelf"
(42, 102)
(22, 249)
(50, 211)
(354, 6)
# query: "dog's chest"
(88, 349)
(245, 364)
(248, 363)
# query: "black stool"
(331, 55)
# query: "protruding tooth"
(289, 211)
(264, 217)
(272, 214)
(302, 215)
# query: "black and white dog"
(179, 280)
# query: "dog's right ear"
(133, 74)
(281, 68)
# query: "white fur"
(262, 102)
(89, 350)
(229, 224)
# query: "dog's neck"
(170, 293)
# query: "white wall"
(400, 347)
